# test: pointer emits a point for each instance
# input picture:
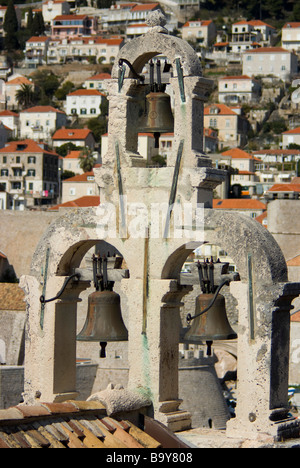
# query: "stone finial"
(156, 20)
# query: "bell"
(104, 320)
(212, 325)
(158, 118)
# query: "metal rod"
(135, 74)
(189, 317)
(67, 280)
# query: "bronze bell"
(104, 320)
(211, 325)
(158, 117)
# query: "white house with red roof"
(79, 186)
(123, 14)
(248, 207)
(290, 36)
(98, 81)
(84, 102)
(231, 124)
(203, 31)
(238, 89)
(78, 136)
(39, 122)
(28, 173)
(291, 137)
(245, 164)
(12, 86)
(11, 120)
(53, 8)
(265, 61)
(246, 34)
(63, 26)
(36, 48)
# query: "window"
(31, 159)
(249, 58)
(18, 159)
(73, 111)
(93, 111)
(31, 173)
(83, 111)
(4, 172)
(72, 191)
(4, 159)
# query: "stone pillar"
(50, 354)
(263, 351)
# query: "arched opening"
(207, 384)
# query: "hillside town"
(56, 64)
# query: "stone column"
(50, 354)
(263, 355)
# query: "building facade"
(238, 89)
(275, 61)
(39, 122)
(28, 174)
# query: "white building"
(84, 102)
(238, 89)
(290, 36)
(39, 122)
(98, 82)
(200, 31)
(245, 34)
(36, 49)
(11, 120)
(53, 8)
(275, 61)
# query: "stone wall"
(20, 233)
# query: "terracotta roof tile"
(86, 92)
(222, 108)
(71, 134)
(238, 204)
(41, 109)
(237, 153)
(285, 188)
(295, 317)
(26, 146)
(76, 424)
(83, 202)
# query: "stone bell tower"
(155, 217)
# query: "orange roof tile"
(19, 80)
(267, 50)
(237, 153)
(86, 92)
(203, 22)
(100, 76)
(9, 113)
(80, 177)
(25, 146)
(292, 24)
(285, 188)
(40, 109)
(71, 134)
(261, 218)
(73, 155)
(238, 204)
(83, 202)
(223, 110)
(38, 39)
(294, 261)
(295, 317)
(239, 77)
(294, 130)
(145, 7)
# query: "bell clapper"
(103, 345)
(208, 349)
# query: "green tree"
(10, 27)
(47, 83)
(38, 25)
(29, 20)
(26, 96)
(86, 160)
(65, 89)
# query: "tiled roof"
(222, 108)
(285, 188)
(8, 113)
(295, 261)
(237, 153)
(69, 17)
(81, 177)
(25, 146)
(100, 76)
(40, 109)
(296, 317)
(83, 202)
(293, 24)
(86, 92)
(202, 23)
(294, 130)
(238, 204)
(73, 154)
(239, 77)
(267, 50)
(71, 134)
(79, 424)
(11, 297)
(38, 39)
(19, 80)
(145, 7)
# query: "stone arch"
(170, 46)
